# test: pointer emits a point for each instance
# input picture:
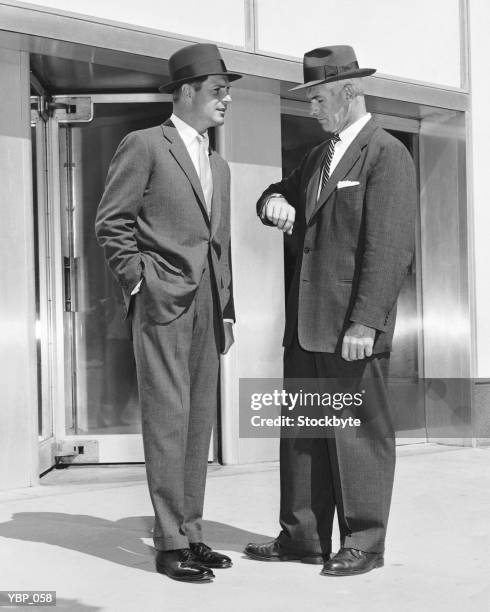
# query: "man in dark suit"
(164, 224)
(352, 205)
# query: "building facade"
(77, 78)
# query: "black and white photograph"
(245, 342)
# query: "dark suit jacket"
(152, 223)
(356, 243)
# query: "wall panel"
(212, 20)
(416, 40)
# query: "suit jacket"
(153, 224)
(356, 243)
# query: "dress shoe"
(180, 565)
(273, 551)
(208, 557)
(350, 562)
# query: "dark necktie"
(328, 160)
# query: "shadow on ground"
(118, 541)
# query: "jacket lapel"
(181, 155)
(344, 166)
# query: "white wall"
(252, 146)
(18, 398)
(217, 20)
(412, 39)
(479, 11)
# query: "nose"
(227, 99)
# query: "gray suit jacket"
(153, 224)
(356, 243)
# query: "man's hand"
(280, 213)
(229, 338)
(358, 342)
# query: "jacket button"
(306, 250)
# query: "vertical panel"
(18, 414)
(479, 155)
(44, 312)
(251, 143)
(479, 139)
(444, 246)
(447, 323)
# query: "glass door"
(101, 420)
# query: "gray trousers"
(177, 369)
(350, 471)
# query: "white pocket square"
(342, 184)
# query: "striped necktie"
(328, 160)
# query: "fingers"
(356, 348)
(358, 342)
(281, 214)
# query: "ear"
(187, 92)
(348, 92)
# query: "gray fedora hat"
(329, 64)
(193, 62)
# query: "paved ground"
(85, 532)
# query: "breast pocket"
(348, 206)
(352, 191)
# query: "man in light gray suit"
(352, 205)
(164, 224)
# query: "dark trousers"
(177, 369)
(351, 471)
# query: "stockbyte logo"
(304, 421)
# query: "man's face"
(210, 102)
(329, 105)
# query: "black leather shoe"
(350, 562)
(208, 557)
(273, 551)
(180, 565)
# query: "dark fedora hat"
(193, 62)
(329, 64)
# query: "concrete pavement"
(86, 533)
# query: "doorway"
(300, 133)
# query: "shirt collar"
(186, 131)
(348, 135)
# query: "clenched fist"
(280, 213)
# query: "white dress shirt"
(346, 137)
(191, 139)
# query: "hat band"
(318, 73)
(198, 69)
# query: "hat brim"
(352, 74)
(173, 85)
